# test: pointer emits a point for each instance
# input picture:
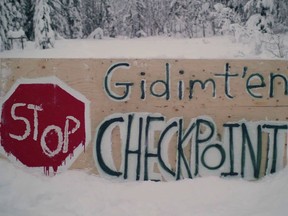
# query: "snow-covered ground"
(154, 47)
(76, 193)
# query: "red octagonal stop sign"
(44, 123)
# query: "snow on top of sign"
(16, 34)
(151, 47)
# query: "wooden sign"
(148, 119)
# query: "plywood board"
(232, 91)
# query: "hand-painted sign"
(44, 123)
(253, 83)
(244, 148)
(240, 152)
(151, 119)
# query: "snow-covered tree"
(66, 18)
(11, 18)
(136, 18)
(192, 15)
(177, 18)
(96, 34)
(260, 21)
(260, 14)
(155, 24)
(139, 19)
(125, 18)
(238, 7)
(89, 17)
(128, 27)
(44, 35)
(204, 17)
(109, 25)
(189, 18)
(99, 14)
(4, 25)
(28, 10)
(280, 16)
(59, 18)
(223, 18)
(75, 19)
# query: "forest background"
(45, 21)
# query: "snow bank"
(153, 47)
(78, 193)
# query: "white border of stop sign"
(78, 150)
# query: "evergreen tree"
(16, 13)
(139, 19)
(224, 17)
(281, 18)
(238, 7)
(4, 25)
(44, 35)
(155, 22)
(66, 19)
(29, 9)
(128, 24)
(123, 13)
(75, 19)
(98, 14)
(109, 20)
(59, 18)
(177, 24)
(193, 13)
(260, 15)
(205, 18)
(11, 19)
(88, 13)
